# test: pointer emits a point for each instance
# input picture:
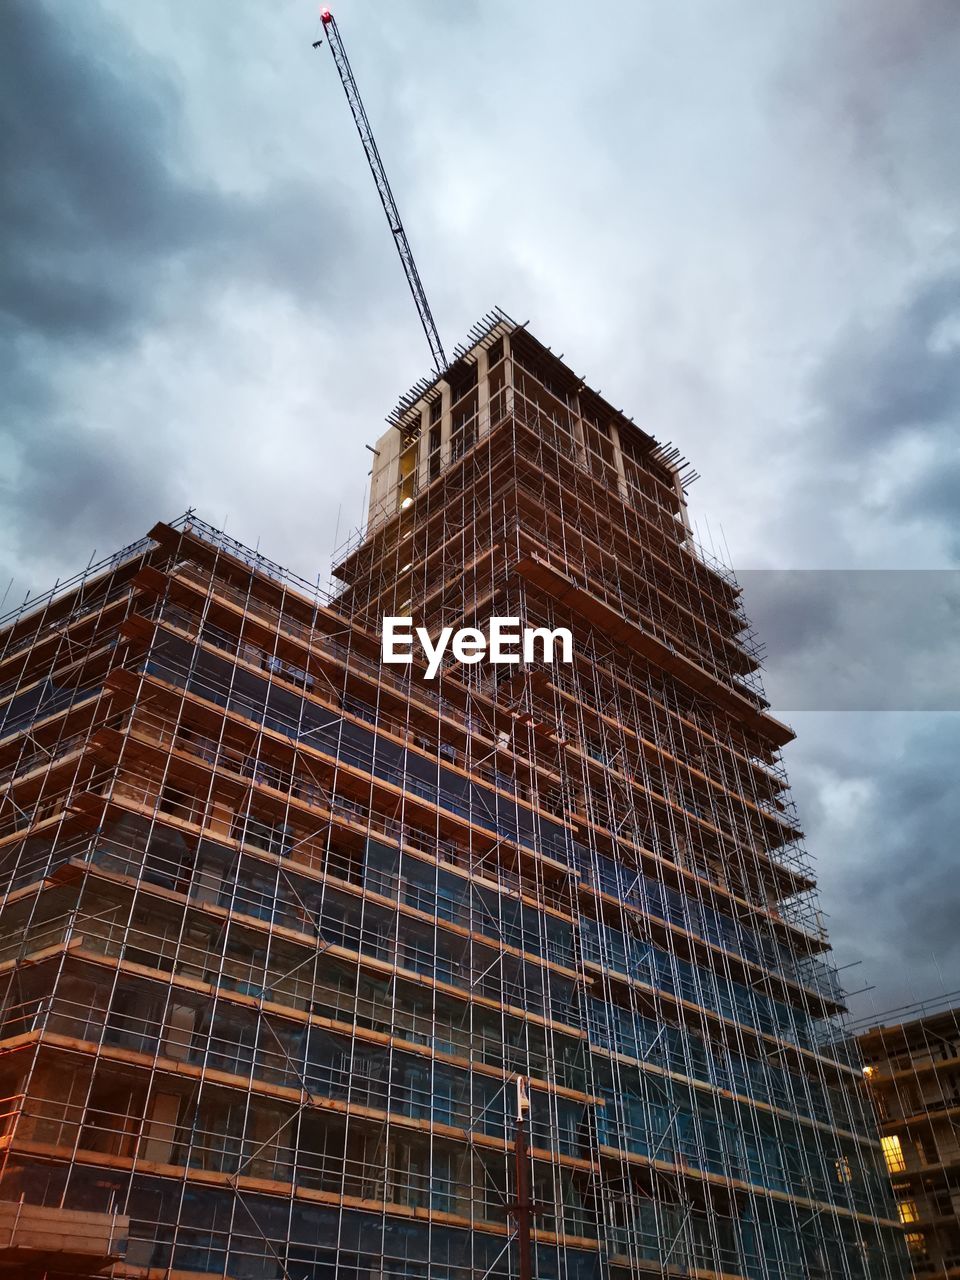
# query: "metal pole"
(523, 1207)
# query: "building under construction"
(282, 926)
(913, 1073)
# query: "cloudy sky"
(737, 219)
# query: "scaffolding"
(281, 926)
(912, 1070)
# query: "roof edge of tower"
(483, 333)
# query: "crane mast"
(383, 186)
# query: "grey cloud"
(867, 474)
(101, 222)
(936, 493)
(96, 484)
(865, 104)
(897, 374)
(89, 185)
(858, 639)
(791, 609)
(877, 81)
(888, 863)
(114, 241)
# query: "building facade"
(912, 1067)
(281, 925)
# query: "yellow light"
(893, 1154)
(868, 1071)
(907, 1210)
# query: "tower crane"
(383, 186)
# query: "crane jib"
(383, 187)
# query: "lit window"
(893, 1154)
(907, 1210)
(916, 1244)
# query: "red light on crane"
(326, 16)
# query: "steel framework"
(912, 1068)
(280, 925)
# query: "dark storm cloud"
(90, 198)
(884, 808)
(898, 374)
(936, 492)
(792, 610)
(870, 467)
(94, 483)
(877, 462)
(108, 234)
(858, 639)
(99, 221)
(867, 100)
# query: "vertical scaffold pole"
(523, 1208)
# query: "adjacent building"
(281, 925)
(912, 1067)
